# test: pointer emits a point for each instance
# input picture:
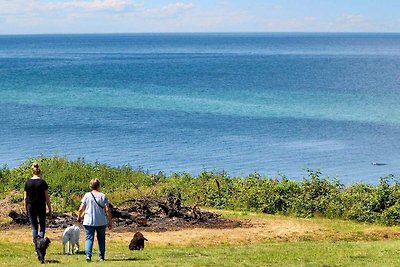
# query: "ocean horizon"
(273, 103)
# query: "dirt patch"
(378, 234)
(251, 231)
(254, 230)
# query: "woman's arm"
(80, 212)
(25, 202)
(48, 203)
(109, 217)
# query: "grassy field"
(265, 241)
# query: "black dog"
(137, 242)
(41, 244)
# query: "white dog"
(71, 238)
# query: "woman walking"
(97, 217)
(36, 197)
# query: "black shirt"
(35, 192)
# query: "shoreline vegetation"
(312, 196)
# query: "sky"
(137, 16)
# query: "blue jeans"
(101, 240)
(34, 213)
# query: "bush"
(312, 196)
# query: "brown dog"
(137, 242)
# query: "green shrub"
(312, 196)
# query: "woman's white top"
(94, 214)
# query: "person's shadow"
(69, 254)
(52, 261)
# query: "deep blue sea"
(272, 103)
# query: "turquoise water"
(272, 103)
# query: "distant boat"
(378, 164)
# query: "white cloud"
(34, 16)
(14, 7)
(81, 8)
(308, 23)
(310, 19)
(220, 19)
(60, 16)
(38, 7)
(177, 6)
(94, 5)
(167, 11)
(351, 22)
(351, 19)
(277, 7)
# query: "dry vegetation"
(253, 230)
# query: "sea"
(278, 104)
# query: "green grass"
(309, 253)
(350, 246)
(325, 243)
